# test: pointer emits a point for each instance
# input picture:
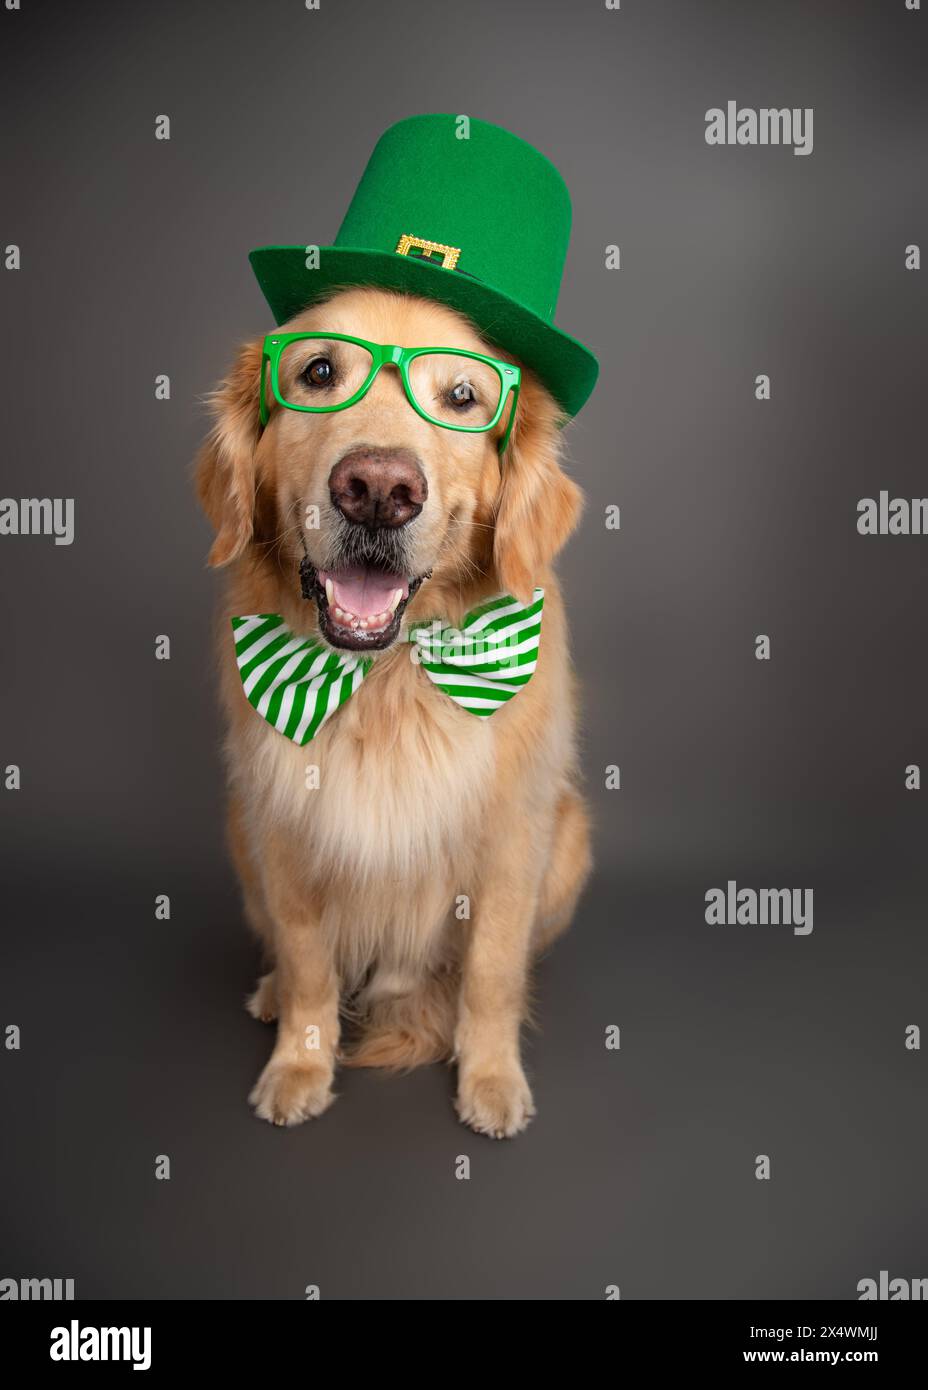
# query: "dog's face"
(373, 500)
(394, 495)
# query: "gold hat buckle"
(449, 254)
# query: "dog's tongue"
(365, 592)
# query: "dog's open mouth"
(360, 606)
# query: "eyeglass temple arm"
(512, 419)
(262, 395)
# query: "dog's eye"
(462, 395)
(320, 372)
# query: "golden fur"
(352, 886)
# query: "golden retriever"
(402, 892)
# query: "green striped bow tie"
(297, 683)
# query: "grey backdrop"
(738, 518)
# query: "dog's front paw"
(497, 1103)
(286, 1094)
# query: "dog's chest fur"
(386, 805)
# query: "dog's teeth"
(329, 590)
(373, 622)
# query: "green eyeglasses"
(321, 372)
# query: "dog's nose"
(378, 487)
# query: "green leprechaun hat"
(479, 223)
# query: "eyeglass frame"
(384, 354)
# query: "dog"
(403, 869)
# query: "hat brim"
(566, 367)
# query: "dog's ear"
(225, 467)
(538, 505)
